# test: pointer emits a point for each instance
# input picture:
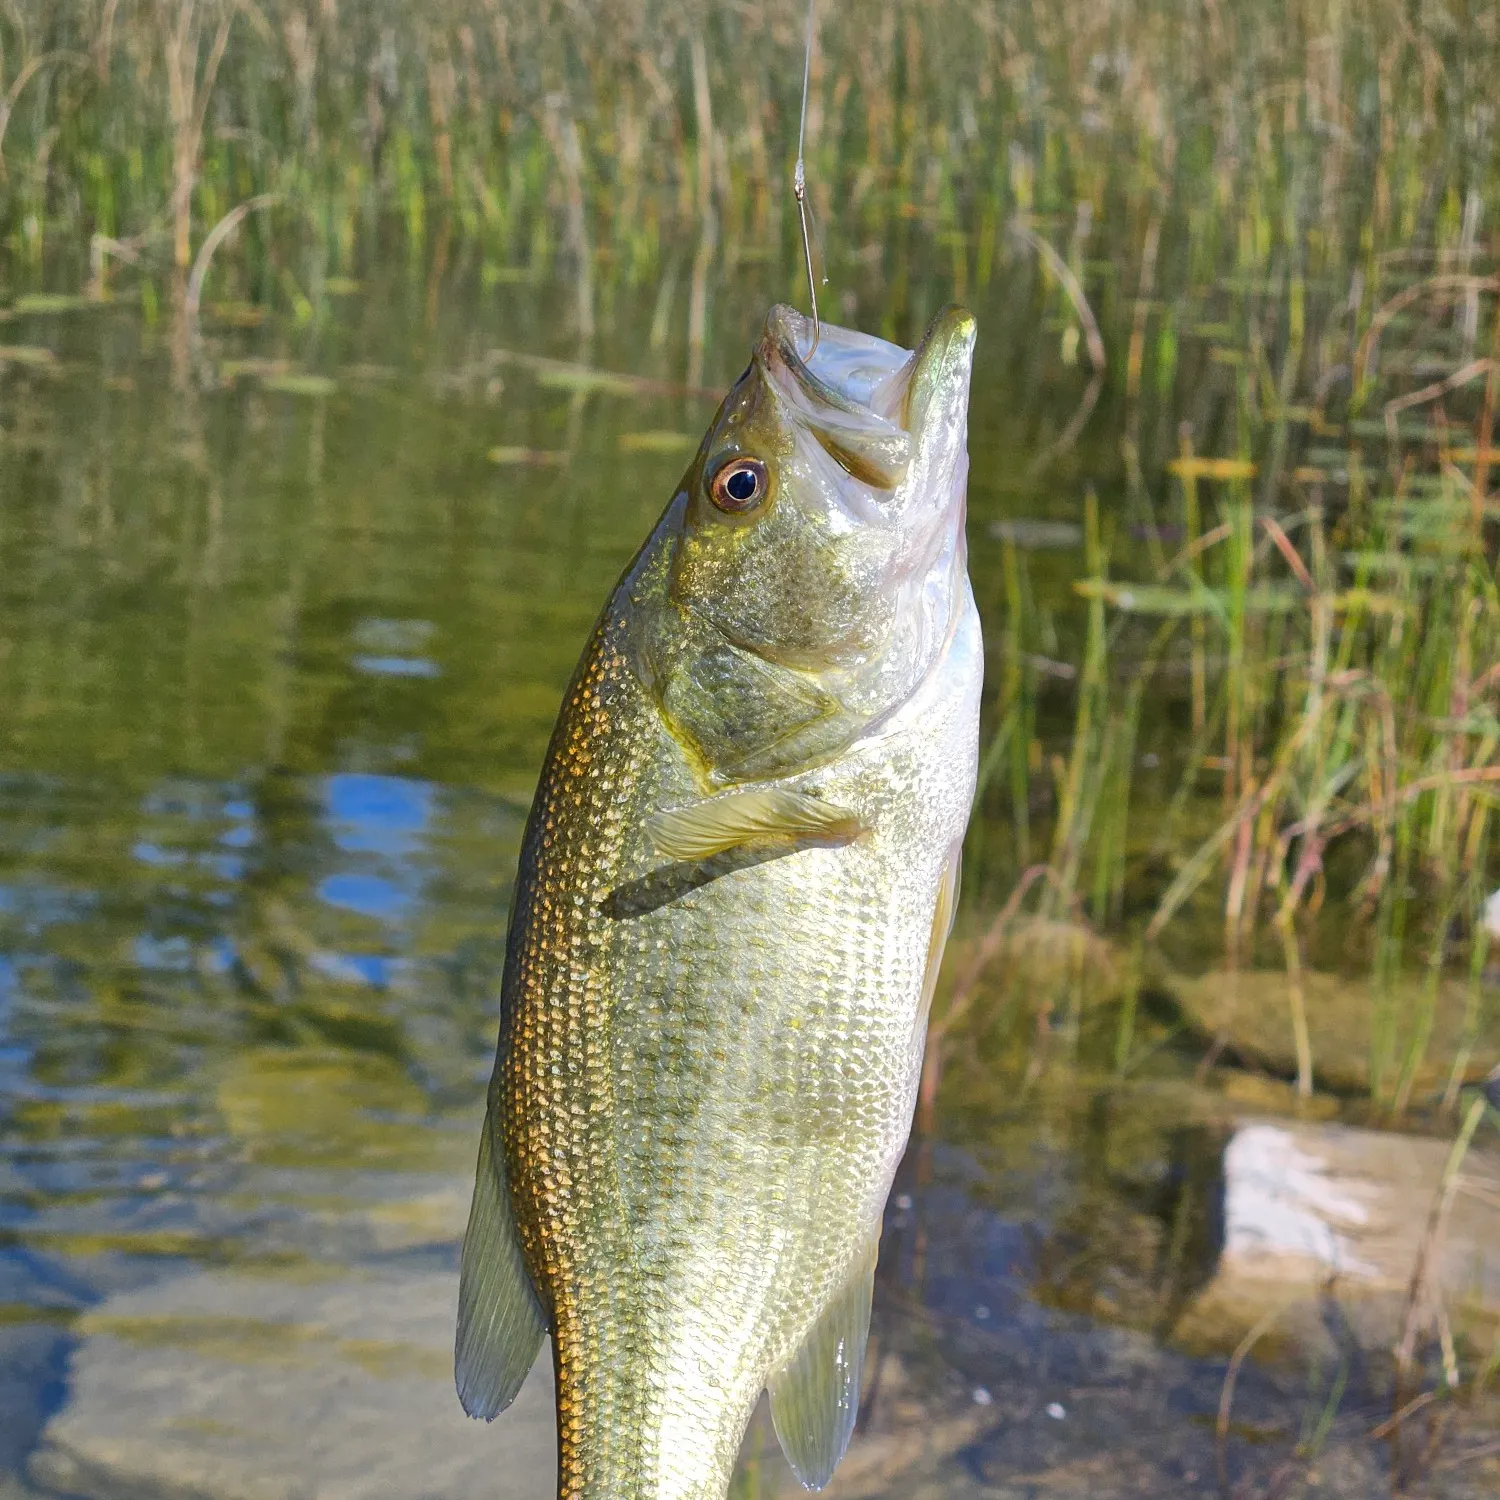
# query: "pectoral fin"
(500, 1321)
(709, 828)
(815, 1396)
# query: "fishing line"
(799, 184)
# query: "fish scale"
(708, 1059)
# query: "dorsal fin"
(815, 1395)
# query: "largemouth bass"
(735, 885)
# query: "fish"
(738, 873)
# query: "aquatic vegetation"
(1320, 653)
(637, 145)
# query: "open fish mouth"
(843, 369)
(895, 418)
(861, 374)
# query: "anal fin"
(815, 1396)
(500, 1320)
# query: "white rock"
(1314, 1209)
(1281, 1200)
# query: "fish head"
(817, 560)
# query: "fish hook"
(799, 184)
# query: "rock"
(1313, 1212)
(320, 1105)
(1047, 965)
(1275, 1096)
(226, 1386)
(1250, 1012)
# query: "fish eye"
(740, 484)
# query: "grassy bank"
(1308, 693)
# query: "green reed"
(621, 140)
(1333, 670)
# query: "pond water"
(279, 656)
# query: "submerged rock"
(226, 1386)
(1046, 964)
(1249, 1015)
(1320, 1216)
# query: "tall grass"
(626, 139)
(1321, 648)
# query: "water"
(279, 660)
